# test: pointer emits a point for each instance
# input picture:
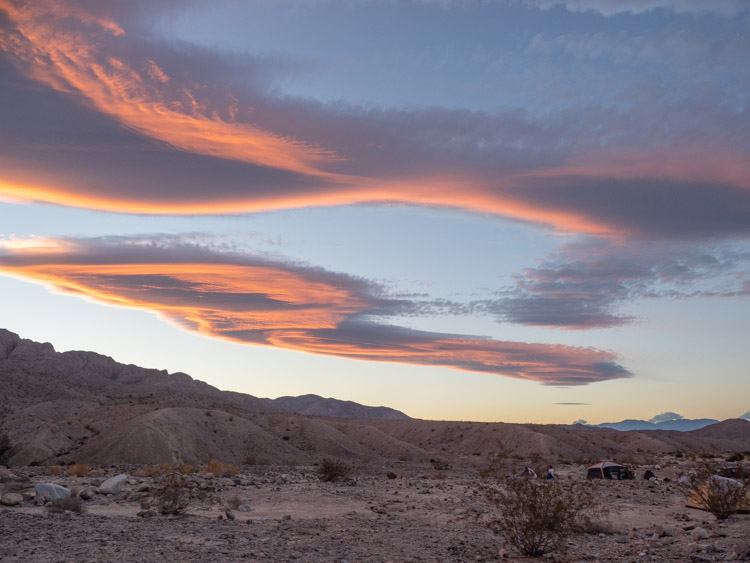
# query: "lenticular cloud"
(253, 300)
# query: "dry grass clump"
(70, 504)
(173, 495)
(333, 470)
(537, 516)
(218, 468)
(155, 470)
(54, 470)
(78, 469)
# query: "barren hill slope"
(87, 408)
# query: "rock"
(113, 485)
(699, 534)
(391, 475)
(51, 491)
(11, 499)
(244, 508)
(86, 494)
(229, 513)
(741, 548)
(146, 514)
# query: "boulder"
(113, 485)
(11, 499)
(51, 491)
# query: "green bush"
(537, 516)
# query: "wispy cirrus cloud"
(271, 302)
(613, 7)
(584, 285)
(113, 94)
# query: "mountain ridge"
(82, 407)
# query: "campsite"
(382, 512)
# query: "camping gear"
(609, 470)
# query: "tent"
(608, 470)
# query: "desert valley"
(254, 471)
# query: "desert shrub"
(54, 470)
(71, 503)
(186, 469)
(77, 469)
(722, 497)
(333, 470)
(537, 516)
(173, 494)
(737, 456)
(439, 464)
(214, 466)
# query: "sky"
(486, 210)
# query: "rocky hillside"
(318, 406)
(86, 408)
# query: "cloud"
(614, 7)
(665, 417)
(89, 90)
(255, 300)
(582, 285)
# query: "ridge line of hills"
(64, 407)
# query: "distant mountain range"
(679, 424)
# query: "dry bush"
(186, 469)
(77, 469)
(214, 466)
(538, 516)
(173, 495)
(155, 470)
(333, 470)
(71, 503)
(721, 496)
(54, 470)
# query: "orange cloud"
(90, 57)
(271, 303)
(68, 58)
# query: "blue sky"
(511, 210)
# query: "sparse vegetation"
(722, 497)
(77, 469)
(333, 470)
(216, 467)
(537, 517)
(71, 504)
(54, 470)
(735, 457)
(173, 495)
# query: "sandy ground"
(290, 515)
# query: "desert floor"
(288, 514)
